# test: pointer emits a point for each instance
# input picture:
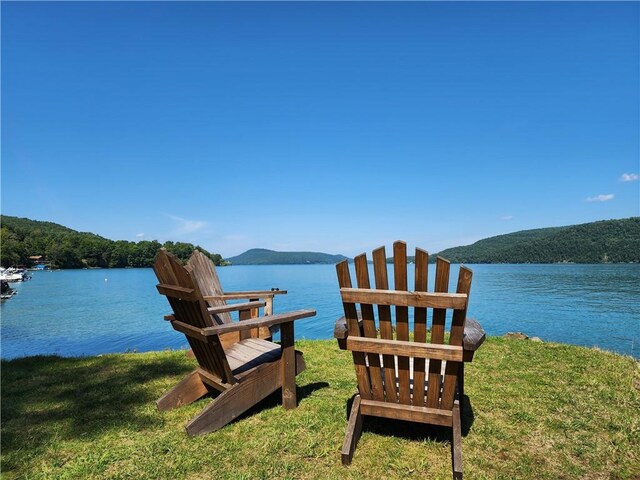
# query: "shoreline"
(509, 336)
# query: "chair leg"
(190, 389)
(354, 429)
(461, 388)
(456, 444)
(288, 366)
(233, 402)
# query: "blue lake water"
(88, 312)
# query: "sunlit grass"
(536, 411)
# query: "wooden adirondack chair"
(244, 372)
(395, 380)
(204, 272)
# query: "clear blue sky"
(333, 127)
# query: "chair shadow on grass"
(47, 397)
(274, 400)
(414, 430)
(50, 397)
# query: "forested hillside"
(66, 248)
(261, 256)
(615, 241)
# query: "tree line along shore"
(606, 241)
(65, 248)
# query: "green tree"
(11, 248)
(119, 254)
(66, 248)
(63, 255)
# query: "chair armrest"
(202, 334)
(234, 307)
(473, 336)
(258, 322)
(341, 331)
(246, 294)
(249, 293)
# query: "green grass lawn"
(537, 410)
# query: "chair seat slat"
(251, 352)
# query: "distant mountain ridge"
(606, 241)
(262, 256)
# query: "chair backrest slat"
(420, 326)
(437, 332)
(457, 331)
(369, 327)
(208, 281)
(386, 327)
(351, 314)
(402, 320)
(400, 284)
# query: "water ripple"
(87, 312)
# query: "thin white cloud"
(600, 198)
(140, 235)
(186, 226)
(506, 217)
(629, 177)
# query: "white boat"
(12, 274)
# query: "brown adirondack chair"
(244, 372)
(204, 272)
(395, 380)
